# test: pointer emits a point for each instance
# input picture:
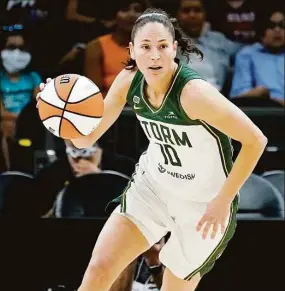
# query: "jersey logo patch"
(136, 99)
(170, 115)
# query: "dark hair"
(264, 20)
(160, 16)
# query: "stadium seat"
(276, 178)
(88, 196)
(259, 199)
(18, 195)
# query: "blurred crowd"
(243, 46)
(242, 42)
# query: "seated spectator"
(76, 163)
(18, 84)
(236, 19)
(259, 68)
(105, 56)
(217, 49)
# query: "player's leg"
(118, 244)
(125, 281)
(171, 282)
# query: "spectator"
(236, 19)
(217, 49)
(104, 56)
(18, 84)
(75, 163)
(259, 68)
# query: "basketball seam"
(77, 129)
(94, 94)
(77, 113)
(63, 110)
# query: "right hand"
(42, 86)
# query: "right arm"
(113, 106)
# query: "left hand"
(84, 167)
(216, 214)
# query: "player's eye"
(145, 47)
(163, 46)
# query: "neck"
(156, 89)
(274, 50)
(13, 76)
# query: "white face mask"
(15, 60)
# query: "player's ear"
(131, 47)
(175, 46)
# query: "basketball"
(71, 106)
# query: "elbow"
(259, 142)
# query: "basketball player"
(185, 182)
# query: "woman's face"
(274, 34)
(154, 50)
(126, 17)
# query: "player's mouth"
(155, 68)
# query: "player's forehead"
(154, 32)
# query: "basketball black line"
(51, 104)
(66, 120)
(57, 91)
(73, 125)
(96, 117)
(94, 94)
(66, 104)
(43, 120)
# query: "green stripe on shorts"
(210, 261)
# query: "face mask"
(15, 60)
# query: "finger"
(201, 223)
(215, 230)
(48, 80)
(42, 86)
(206, 229)
(38, 96)
(223, 227)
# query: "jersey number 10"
(170, 155)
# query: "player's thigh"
(118, 244)
(171, 282)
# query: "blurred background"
(53, 197)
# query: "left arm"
(202, 101)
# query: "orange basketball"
(71, 106)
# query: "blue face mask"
(15, 60)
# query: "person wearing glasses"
(259, 68)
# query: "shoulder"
(194, 87)
(216, 34)
(35, 75)
(250, 50)
(200, 96)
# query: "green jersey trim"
(151, 108)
